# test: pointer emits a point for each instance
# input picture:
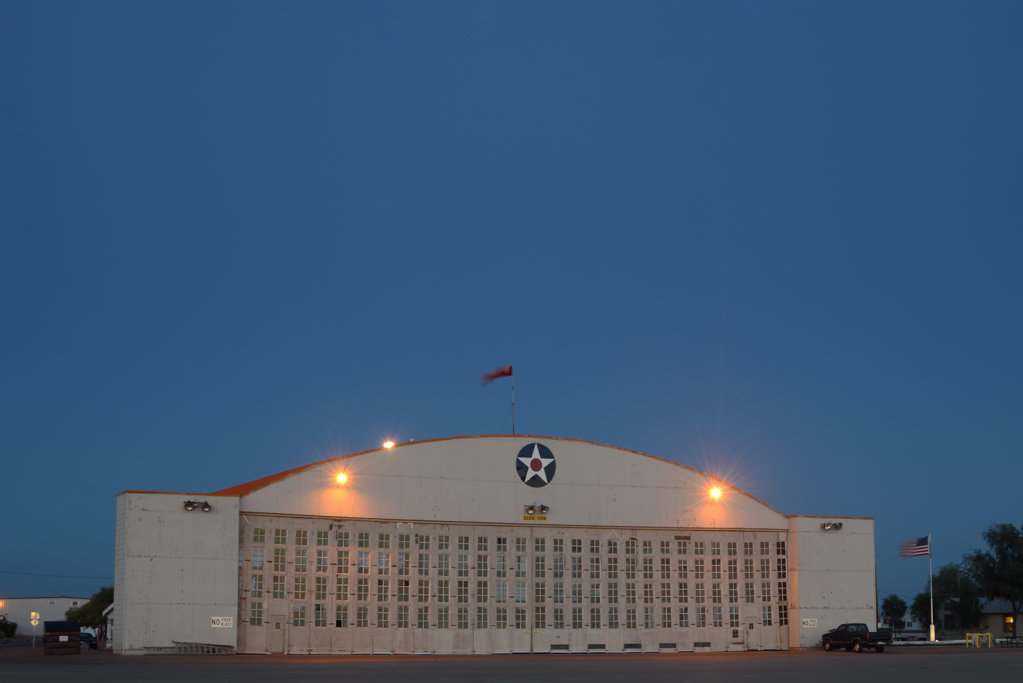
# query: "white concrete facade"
(451, 546)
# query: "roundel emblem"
(535, 465)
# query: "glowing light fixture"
(715, 492)
(341, 478)
(193, 504)
(388, 444)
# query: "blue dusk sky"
(776, 241)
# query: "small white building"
(49, 608)
(484, 544)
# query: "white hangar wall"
(175, 570)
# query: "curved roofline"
(257, 484)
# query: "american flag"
(918, 547)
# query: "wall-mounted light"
(534, 509)
(193, 504)
(530, 509)
(544, 509)
(831, 526)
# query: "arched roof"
(475, 479)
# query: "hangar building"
(483, 544)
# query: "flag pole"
(513, 404)
(930, 580)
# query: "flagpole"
(930, 580)
(513, 404)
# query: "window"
(648, 547)
(443, 564)
(630, 617)
(733, 617)
(779, 548)
(630, 546)
(423, 541)
(577, 617)
(765, 591)
(683, 617)
(501, 544)
(520, 617)
(612, 567)
(423, 564)
(319, 615)
(383, 616)
(256, 612)
(500, 566)
(577, 567)
(341, 616)
(666, 547)
(280, 537)
(423, 590)
(301, 537)
(594, 546)
(462, 618)
(257, 584)
(701, 617)
(463, 543)
(781, 569)
(300, 588)
(715, 593)
(278, 586)
(362, 562)
(442, 617)
(257, 559)
(342, 561)
(698, 547)
(342, 588)
(298, 615)
(715, 547)
(683, 568)
(732, 551)
(404, 541)
(362, 616)
(765, 548)
(733, 570)
(766, 615)
(501, 591)
(765, 568)
(384, 541)
(481, 566)
(595, 617)
(362, 590)
(403, 589)
(321, 560)
(577, 593)
(443, 588)
(733, 592)
(612, 617)
(700, 594)
(665, 591)
(342, 539)
(630, 567)
(747, 547)
(559, 567)
(363, 539)
(320, 590)
(715, 617)
(301, 556)
(501, 617)
(783, 615)
(520, 591)
(612, 546)
(539, 616)
(322, 538)
(462, 591)
(783, 591)
(612, 593)
(1008, 624)
(648, 593)
(749, 595)
(681, 547)
(423, 616)
(715, 568)
(481, 617)
(747, 568)
(630, 593)
(594, 593)
(594, 566)
(259, 535)
(520, 545)
(463, 564)
(698, 568)
(577, 545)
(539, 545)
(402, 616)
(683, 591)
(665, 567)
(482, 543)
(383, 563)
(404, 563)
(648, 567)
(280, 561)
(539, 592)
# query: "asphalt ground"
(896, 665)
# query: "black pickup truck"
(856, 637)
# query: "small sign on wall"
(222, 622)
(809, 623)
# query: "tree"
(955, 592)
(999, 570)
(893, 609)
(91, 613)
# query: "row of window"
(440, 617)
(405, 541)
(426, 590)
(463, 564)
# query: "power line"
(53, 576)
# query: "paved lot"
(943, 665)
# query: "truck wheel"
(857, 647)
(827, 646)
